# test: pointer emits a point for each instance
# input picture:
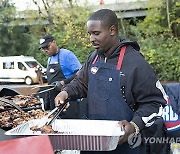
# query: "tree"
(67, 23)
(14, 39)
(6, 16)
(159, 42)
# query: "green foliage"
(163, 57)
(69, 30)
(14, 38)
(6, 12)
(159, 44)
(158, 37)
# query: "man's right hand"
(60, 98)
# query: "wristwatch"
(135, 127)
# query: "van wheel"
(28, 81)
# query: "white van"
(19, 69)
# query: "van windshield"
(32, 64)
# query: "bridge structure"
(123, 9)
(126, 9)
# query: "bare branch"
(39, 9)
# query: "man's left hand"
(128, 129)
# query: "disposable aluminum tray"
(88, 135)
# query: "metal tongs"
(58, 112)
(11, 103)
(43, 86)
(43, 91)
(44, 120)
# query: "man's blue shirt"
(68, 62)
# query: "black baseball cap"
(44, 41)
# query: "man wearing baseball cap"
(62, 66)
(44, 41)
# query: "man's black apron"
(105, 99)
(54, 73)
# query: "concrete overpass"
(123, 9)
(134, 8)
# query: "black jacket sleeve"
(150, 101)
(68, 80)
(144, 93)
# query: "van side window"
(8, 65)
(21, 66)
(31, 64)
